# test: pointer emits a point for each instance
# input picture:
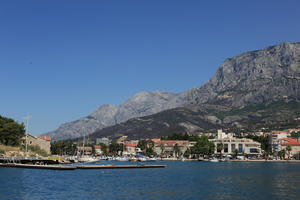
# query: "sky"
(61, 59)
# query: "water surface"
(180, 180)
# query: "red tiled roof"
(278, 132)
(97, 146)
(47, 138)
(289, 141)
(172, 142)
(130, 145)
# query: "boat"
(88, 159)
(121, 158)
(214, 160)
(151, 159)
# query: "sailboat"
(87, 158)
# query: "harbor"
(81, 167)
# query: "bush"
(2, 151)
(37, 150)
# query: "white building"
(231, 144)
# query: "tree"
(289, 149)
(63, 148)
(147, 147)
(176, 150)
(236, 152)
(203, 147)
(104, 148)
(11, 132)
(162, 147)
(295, 134)
(282, 154)
(220, 148)
(115, 148)
(187, 153)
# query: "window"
(226, 148)
(240, 148)
(233, 148)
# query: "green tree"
(147, 146)
(295, 134)
(115, 148)
(187, 153)
(63, 148)
(236, 153)
(162, 147)
(220, 148)
(203, 147)
(176, 150)
(104, 148)
(282, 154)
(289, 149)
(11, 132)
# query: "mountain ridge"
(259, 76)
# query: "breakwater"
(81, 167)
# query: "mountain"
(256, 77)
(141, 104)
(252, 90)
(252, 77)
(207, 118)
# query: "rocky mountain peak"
(254, 77)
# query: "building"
(167, 148)
(274, 136)
(281, 144)
(84, 150)
(43, 142)
(121, 139)
(98, 150)
(103, 140)
(231, 144)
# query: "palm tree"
(220, 148)
(289, 149)
(236, 152)
(176, 150)
(162, 148)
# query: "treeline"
(63, 148)
(11, 132)
(180, 136)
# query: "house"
(43, 142)
(98, 150)
(130, 147)
(84, 150)
(231, 144)
(274, 136)
(167, 148)
(103, 140)
(284, 142)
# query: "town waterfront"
(180, 180)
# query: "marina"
(74, 167)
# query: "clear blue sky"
(60, 60)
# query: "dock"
(79, 167)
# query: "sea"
(190, 180)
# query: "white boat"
(88, 159)
(214, 160)
(121, 159)
(142, 159)
(151, 159)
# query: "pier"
(78, 167)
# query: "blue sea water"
(180, 180)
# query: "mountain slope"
(257, 79)
(207, 118)
(141, 104)
(254, 77)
